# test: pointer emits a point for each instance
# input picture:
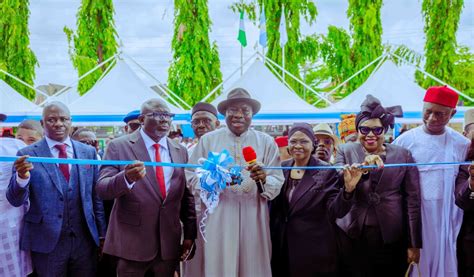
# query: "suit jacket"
(465, 201)
(44, 219)
(302, 231)
(142, 224)
(396, 197)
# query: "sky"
(145, 29)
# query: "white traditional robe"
(441, 218)
(13, 261)
(237, 232)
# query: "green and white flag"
(242, 38)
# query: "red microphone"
(250, 156)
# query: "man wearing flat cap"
(203, 120)
(435, 142)
(237, 232)
(326, 142)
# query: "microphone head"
(249, 154)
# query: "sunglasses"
(134, 126)
(366, 130)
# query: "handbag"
(411, 267)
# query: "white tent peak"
(117, 93)
(390, 85)
(13, 103)
(272, 94)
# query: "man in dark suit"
(145, 229)
(65, 221)
(465, 201)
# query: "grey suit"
(142, 225)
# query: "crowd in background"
(136, 220)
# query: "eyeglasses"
(234, 110)
(133, 126)
(326, 141)
(197, 122)
(366, 130)
(160, 115)
(302, 142)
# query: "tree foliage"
(296, 48)
(94, 40)
(195, 68)
(441, 23)
(16, 56)
(366, 32)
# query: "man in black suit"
(465, 201)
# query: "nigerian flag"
(242, 38)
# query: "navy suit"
(61, 214)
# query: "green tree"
(366, 32)
(296, 49)
(195, 68)
(16, 56)
(94, 40)
(441, 24)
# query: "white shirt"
(55, 153)
(164, 155)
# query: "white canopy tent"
(112, 97)
(15, 106)
(279, 104)
(67, 96)
(392, 87)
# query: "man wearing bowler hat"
(435, 142)
(237, 232)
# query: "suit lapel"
(80, 153)
(389, 159)
(42, 150)
(175, 158)
(307, 182)
(141, 153)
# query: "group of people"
(334, 209)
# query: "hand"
(23, 167)
(352, 175)
(187, 250)
(413, 255)
(135, 171)
(373, 160)
(257, 172)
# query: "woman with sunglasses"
(303, 240)
(382, 231)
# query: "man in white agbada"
(13, 261)
(237, 232)
(432, 142)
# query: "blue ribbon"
(232, 169)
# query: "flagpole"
(241, 60)
(283, 61)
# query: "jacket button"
(61, 199)
(60, 216)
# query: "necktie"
(63, 155)
(160, 176)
